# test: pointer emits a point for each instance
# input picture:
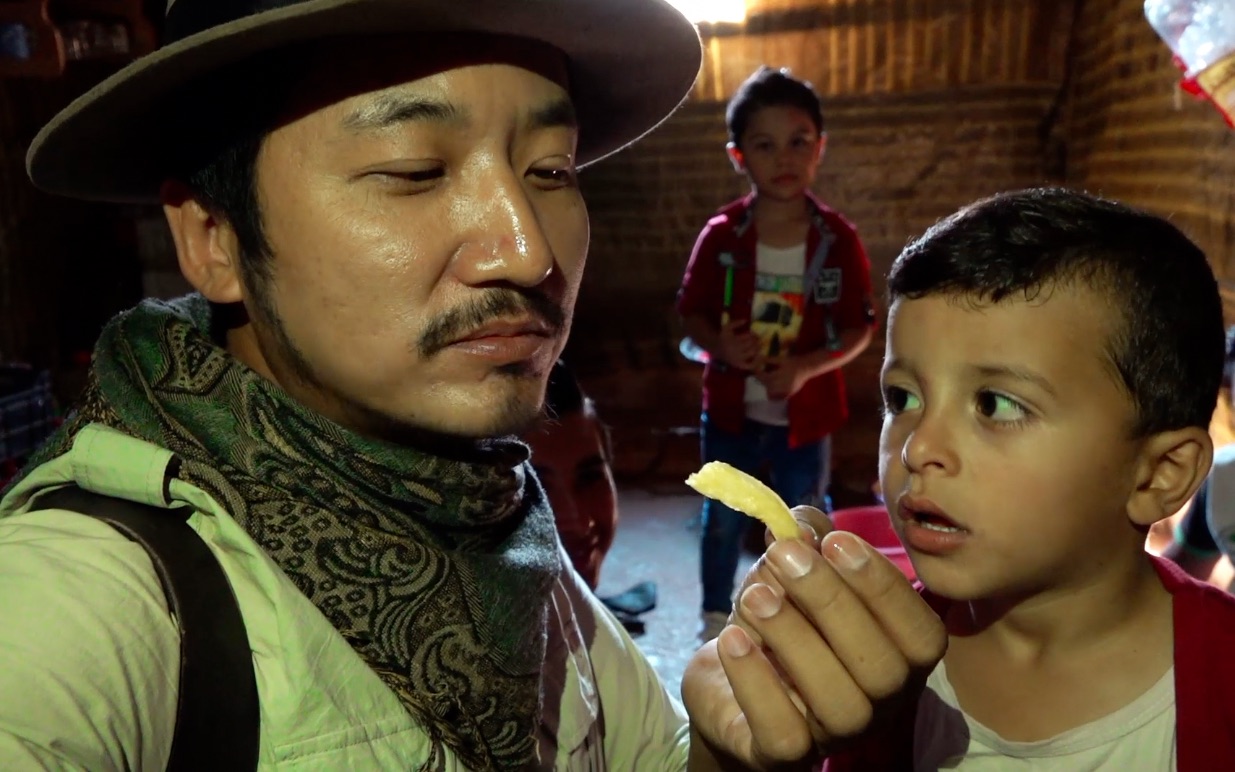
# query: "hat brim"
(630, 65)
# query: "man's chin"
(501, 416)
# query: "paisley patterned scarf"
(436, 570)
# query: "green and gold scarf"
(436, 570)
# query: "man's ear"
(1173, 466)
(823, 145)
(206, 245)
(735, 158)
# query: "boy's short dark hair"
(1170, 350)
(767, 87)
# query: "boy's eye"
(1000, 408)
(897, 400)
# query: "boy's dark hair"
(770, 88)
(1170, 348)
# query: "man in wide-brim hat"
(377, 203)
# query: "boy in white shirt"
(1052, 363)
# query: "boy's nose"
(929, 445)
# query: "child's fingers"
(825, 685)
(887, 607)
(908, 621)
(815, 519)
(759, 573)
(813, 525)
(852, 633)
(778, 732)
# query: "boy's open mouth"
(935, 522)
(924, 513)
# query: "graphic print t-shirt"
(776, 317)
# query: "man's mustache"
(495, 305)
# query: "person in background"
(572, 454)
(1191, 541)
(1199, 538)
(778, 293)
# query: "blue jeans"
(798, 475)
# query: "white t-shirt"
(776, 317)
(1139, 736)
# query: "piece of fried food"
(736, 489)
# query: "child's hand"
(784, 377)
(739, 346)
(815, 658)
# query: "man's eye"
(412, 176)
(555, 177)
(897, 400)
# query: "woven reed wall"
(1135, 136)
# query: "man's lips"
(508, 329)
(505, 342)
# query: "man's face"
(428, 240)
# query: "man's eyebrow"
(394, 109)
(1015, 373)
(556, 114)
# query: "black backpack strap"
(217, 716)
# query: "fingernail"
(844, 551)
(735, 642)
(792, 557)
(761, 601)
(809, 534)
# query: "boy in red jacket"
(778, 293)
(1052, 363)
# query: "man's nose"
(505, 241)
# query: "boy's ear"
(823, 144)
(735, 158)
(1173, 466)
(206, 245)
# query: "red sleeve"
(856, 307)
(700, 290)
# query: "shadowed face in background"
(780, 151)
(571, 457)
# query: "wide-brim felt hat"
(630, 63)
